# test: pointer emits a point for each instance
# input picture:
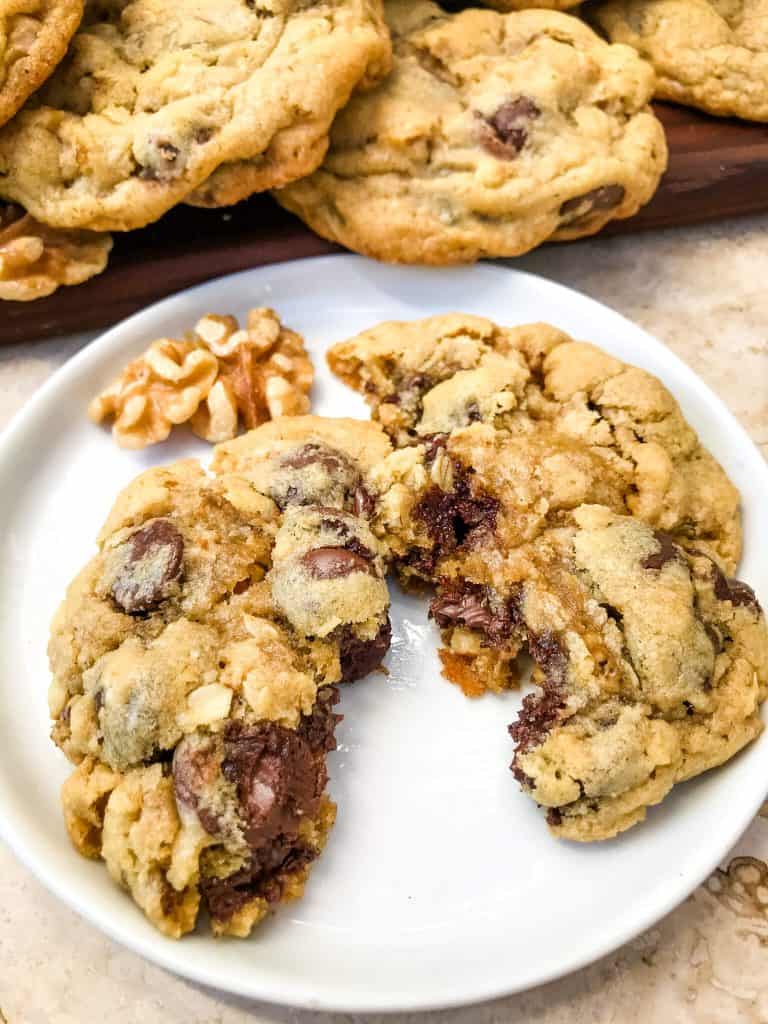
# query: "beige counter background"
(703, 292)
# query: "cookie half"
(653, 666)
(198, 718)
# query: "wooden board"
(718, 168)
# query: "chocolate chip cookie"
(198, 717)
(153, 97)
(493, 133)
(707, 54)
(529, 423)
(34, 35)
(652, 666)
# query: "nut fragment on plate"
(215, 378)
(36, 259)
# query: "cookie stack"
(480, 133)
(550, 499)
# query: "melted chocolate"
(740, 594)
(505, 132)
(153, 565)
(359, 657)
(667, 551)
(475, 607)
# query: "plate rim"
(664, 358)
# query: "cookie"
(153, 97)
(35, 260)
(199, 719)
(492, 134)
(34, 35)
(652, 666)
(709, 55)
(297, 151)
(506, 428)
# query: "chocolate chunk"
(359, 657)
(151, 567)
(538, 714)
(554, 817)
(167, 166)
(505, 132)
(423, 562)
(317, 454)
(475, 607)
(279, 773)
(613, 613)
(279, 776)
(335, 484)
(363, 503)
(264, 876)
(667, 552)
(195, 769)
(454, 518)
(520, 776)
(331, 563)
(740, 594)
(546, 651)
(607, 197)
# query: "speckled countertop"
(700, 290)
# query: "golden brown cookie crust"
(539, 418)
(299, 150)
(707, 54)
(186, 91)
(493, 133)
(34, 35)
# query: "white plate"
(440, 884)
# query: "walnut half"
(35, 259)
(216, 378)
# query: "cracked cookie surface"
(34, 35)
(529, 422)
(153, 97)
(652, 663)
(198, 718)
(493, 133)
(710, 54)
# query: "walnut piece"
(35, 259)
(216, 378)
